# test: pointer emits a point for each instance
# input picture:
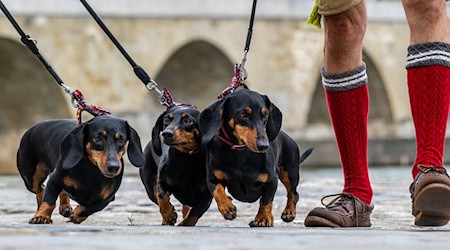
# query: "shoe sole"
(433, 205)
(315, 221)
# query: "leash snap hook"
(74, 101)
(151, 85)
(243, 74)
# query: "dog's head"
(178, 128)
(103, 140)
(253, 119)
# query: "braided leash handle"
(236, 82)
(82, 105)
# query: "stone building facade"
(190, 48)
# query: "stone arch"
(380, 115)
(196, 73)
(29, 95)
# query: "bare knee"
(423, 6)
(427, 20)
(347, 28)
(420, 11)
(344, 34)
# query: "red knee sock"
(429, 94)
(348, 104)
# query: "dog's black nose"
(113, 167)
(167, 134)
(262, 146)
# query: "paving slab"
(133, 222)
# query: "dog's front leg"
(166, 208)
(195, 213)
(77, 215)
(215, 181)
(82, 212)
(224, 204)
(264, 218)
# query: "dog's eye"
(97, 140)
(244, 115)
(188, 121)
(121, 140)
(166, 121)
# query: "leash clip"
(153, 86)
(242, 71)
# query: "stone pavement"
(132, 222)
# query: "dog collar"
(227, 140)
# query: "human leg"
(428, 69)
(345, 83)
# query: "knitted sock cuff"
(428, 54)
(344, 81)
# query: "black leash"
(77, 98)
(30, 43)
(248, 41)
(240, 73)
(138, 70)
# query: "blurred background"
(190, 47)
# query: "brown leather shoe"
(345, 210)
(430, 193)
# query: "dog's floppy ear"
(210, 121)
(156, 139)
(135, 154)
(273, 125)
(72, 147)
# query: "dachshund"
(84, 163)
(247, 153)
(175, 164)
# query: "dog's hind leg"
(39, 176)
(64, 205)
(44, 212)
(33, 172)
(185, 211)
(290, 181)
(148, 175)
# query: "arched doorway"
(196, 73)
(28, 95)
(380, 115)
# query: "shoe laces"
(425, 169)
(340, 200)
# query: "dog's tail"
(306, 154)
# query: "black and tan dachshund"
(84, 163)
(176, 165)
(247, 153)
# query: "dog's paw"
(228, 210)
(40, 219)
(262, 222)
(288, 215)
(65, 210)
(75, 219)
(169, 218)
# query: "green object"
(314, 17)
